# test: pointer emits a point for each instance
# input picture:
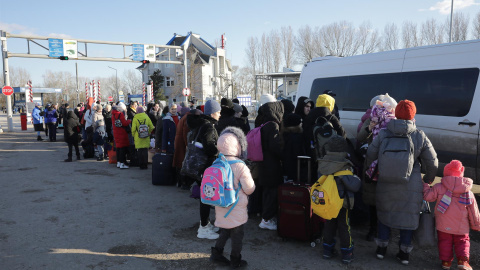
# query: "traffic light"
(146, 61)
(63, 57)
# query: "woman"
(304, 105)
(51, 116)
(399, 202)
(120, 134)
(142, 142)
(98, 124)
(203, 125)
(170, 122)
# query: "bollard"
(23, 121)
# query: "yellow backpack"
(326, 202)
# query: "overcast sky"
(155, 22)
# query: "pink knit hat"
(454, 168)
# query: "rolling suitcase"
(295, 217)
(162, 170)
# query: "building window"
(289, 82)
(169, 81)
(296, 82)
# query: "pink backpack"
(254, 147)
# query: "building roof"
(177, 41)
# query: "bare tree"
(132, 81)
(305, 44)
(476, 26)
(253, 53)
(410, 35)
(275, 50)
(432, 32)
(60, 79)
(459, 27)
(288, 48)
(390, 37)
(19, 77)
(339, 39)
(368, 38)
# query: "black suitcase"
(162, 170)
(295, 217)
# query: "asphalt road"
(91, 215)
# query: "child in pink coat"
(456, 212)
(233, 144)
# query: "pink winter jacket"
(229, 146)
(459, 218)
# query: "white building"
(209, 73)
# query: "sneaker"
(403, 257)
(123, 166)
(204, 232)
(268, 225)
(463, 264)
(100, 159)
(381, 251)
(213, 228)
(446, 264)
(118, 164)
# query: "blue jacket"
(51, 115)
(169, 131)
(37, 119)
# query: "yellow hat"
(325, 101)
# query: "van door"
(442, 81)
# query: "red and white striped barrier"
(86, 91)
(144, 90)
(30, 91)
(99, 95)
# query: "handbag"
(195, 161)
(424, 235)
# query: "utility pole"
(185, 68)
(451, 21)
(76, 71)
(6, 77)
(116, 82)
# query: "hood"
(272, 111)
(366, 115)
(226, 112)
(325, 101)
(195, 121)
(301, 104)
(401, 127)
(333, 162)
(232, 142)
(457, 184)
(71, 115)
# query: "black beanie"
(227, 103)
(235, 100)
(336, 144)
(292, 120)
(288, 106)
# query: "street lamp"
(116, 82)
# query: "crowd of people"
(391, 192)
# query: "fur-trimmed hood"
(232, 142)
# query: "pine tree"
(158, 79)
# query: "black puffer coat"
(271, 173)
(208, 134)
(70, 128)
(232, 121)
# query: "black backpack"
(323, 131)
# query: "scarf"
(447, 199)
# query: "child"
(335, 160)
(87, 144)
(233, 144)
(456, 212)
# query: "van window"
(454, 89)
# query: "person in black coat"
(293, 145)
(71, 133)
(304, 106)
(270, 173)
(226, 114)
(208, 137)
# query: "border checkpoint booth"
(19, 99)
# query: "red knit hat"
(454, 168)
(405, 110)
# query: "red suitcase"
(295, 217)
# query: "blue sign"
(55, 47)
(138, 52)
(121, 98)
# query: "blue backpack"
(217, 187)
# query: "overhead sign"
(186, 92)
(143, 52)
(7, 90)
(62, 47)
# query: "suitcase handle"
(309, 176)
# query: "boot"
(237, 262)
(347, 255)
(39, 138)
(463, 263)
(217, 256)
(329, 251)
(403, 257)
(69, 159)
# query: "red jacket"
(120, 134)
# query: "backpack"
(396, 158)
(118, 122)
(217, 187)
(254, 144)
(143, 130)
(324, 197)
(323, 131)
